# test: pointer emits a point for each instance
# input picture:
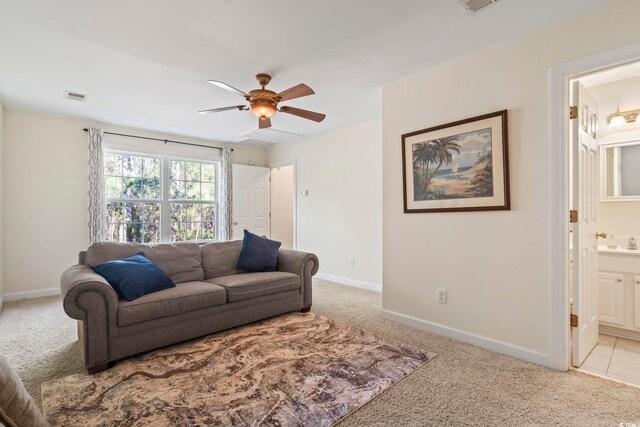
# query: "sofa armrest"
(79, 280)
(304, 264)
(89, 298)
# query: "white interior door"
(251, 200)
(585, 243)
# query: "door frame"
(558, 283)
(291, 162)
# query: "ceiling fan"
(264, 102)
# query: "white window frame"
(164, 201)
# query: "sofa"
(17, 407)
(210, 295)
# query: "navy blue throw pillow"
(134, 277)
(258, 253)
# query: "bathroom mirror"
(620, 171)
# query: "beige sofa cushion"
(220, 258)
(244, 286)
(185, 297)
(182, 261)
(17, 408)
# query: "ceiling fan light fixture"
(263, 110)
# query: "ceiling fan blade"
(227, 87)
(295, 92)
(305, 114)
(264, 123)
(217, 110)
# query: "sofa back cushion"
(181, 261)
(220, 258)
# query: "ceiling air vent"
(269, 136)
(75, 96)
(475, 5)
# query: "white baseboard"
(350, 282)
(480, 341)
(31, 294)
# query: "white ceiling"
(144, 63)
(622, 72)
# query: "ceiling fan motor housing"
(264, 103)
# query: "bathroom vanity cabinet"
(619, 292)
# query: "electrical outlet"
(352, 262)
(442, 296)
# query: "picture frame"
(457, 167)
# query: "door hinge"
(573, 216)
(573, 112)
(573, 320)
(269, 214)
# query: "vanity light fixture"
(621, 118)
(616, 119)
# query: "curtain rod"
(158, 139)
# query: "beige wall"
(45, 180)
(495, 265)
(621, 217)
(342, 214)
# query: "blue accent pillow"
(134, 277)
(258, 253)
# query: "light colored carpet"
(464, 386)
(291, 370)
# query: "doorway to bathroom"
(604, 199)
(283, 203)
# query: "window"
(154, 199)
(192, 194)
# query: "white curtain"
(226, 196)
(96, 204)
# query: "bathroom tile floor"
(616, 358)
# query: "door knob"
(601, 235)
(235, 223)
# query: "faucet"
(632, 243)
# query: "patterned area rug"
(296, 369)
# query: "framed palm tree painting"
(459, 166)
